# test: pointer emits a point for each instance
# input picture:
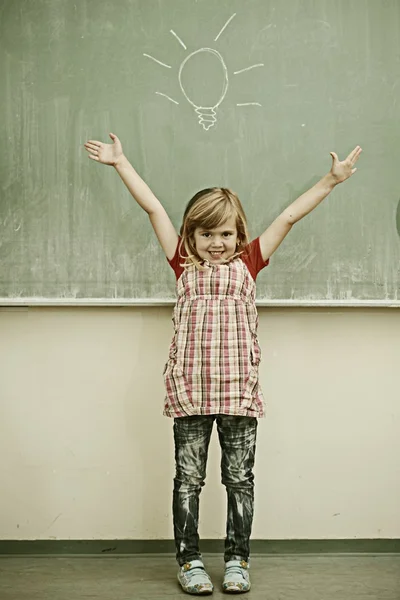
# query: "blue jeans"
(237, 438)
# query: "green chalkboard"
(249, 95)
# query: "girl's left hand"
(342, 170)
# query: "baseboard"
(118, 547)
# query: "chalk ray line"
(248, 68)
(178, 38)
(249, 104)
(157, 61)
(225, 26)
(165, 96)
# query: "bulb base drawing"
(207, 117)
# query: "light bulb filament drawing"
(206, 111)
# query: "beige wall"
(86, 453)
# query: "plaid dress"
(214, 355)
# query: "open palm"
(107, 154)
(342, 170)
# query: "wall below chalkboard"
(81, 398)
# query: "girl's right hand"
(108, 154)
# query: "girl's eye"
(206, 234)
(226, 234)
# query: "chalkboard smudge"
(398, 218)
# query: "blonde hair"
(209, 209)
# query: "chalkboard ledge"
(275, 303)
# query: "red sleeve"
(253, 259)
(178, 258)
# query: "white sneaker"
(237, 578)
(194, 579)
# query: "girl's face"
(219, 244)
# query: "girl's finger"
(94, 142)
(357, 156)
(349, 158)
(354, 159)
(334, 156)
(90, 146)
(354, 154)
(93, 157)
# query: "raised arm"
(112, 154)
(278, 230)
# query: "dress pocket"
(251, 382)
(179, 395)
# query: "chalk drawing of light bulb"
(204, 87)
(215, 91)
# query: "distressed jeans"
(237, 438)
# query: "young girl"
(212, 369)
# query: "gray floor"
(153, 577)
